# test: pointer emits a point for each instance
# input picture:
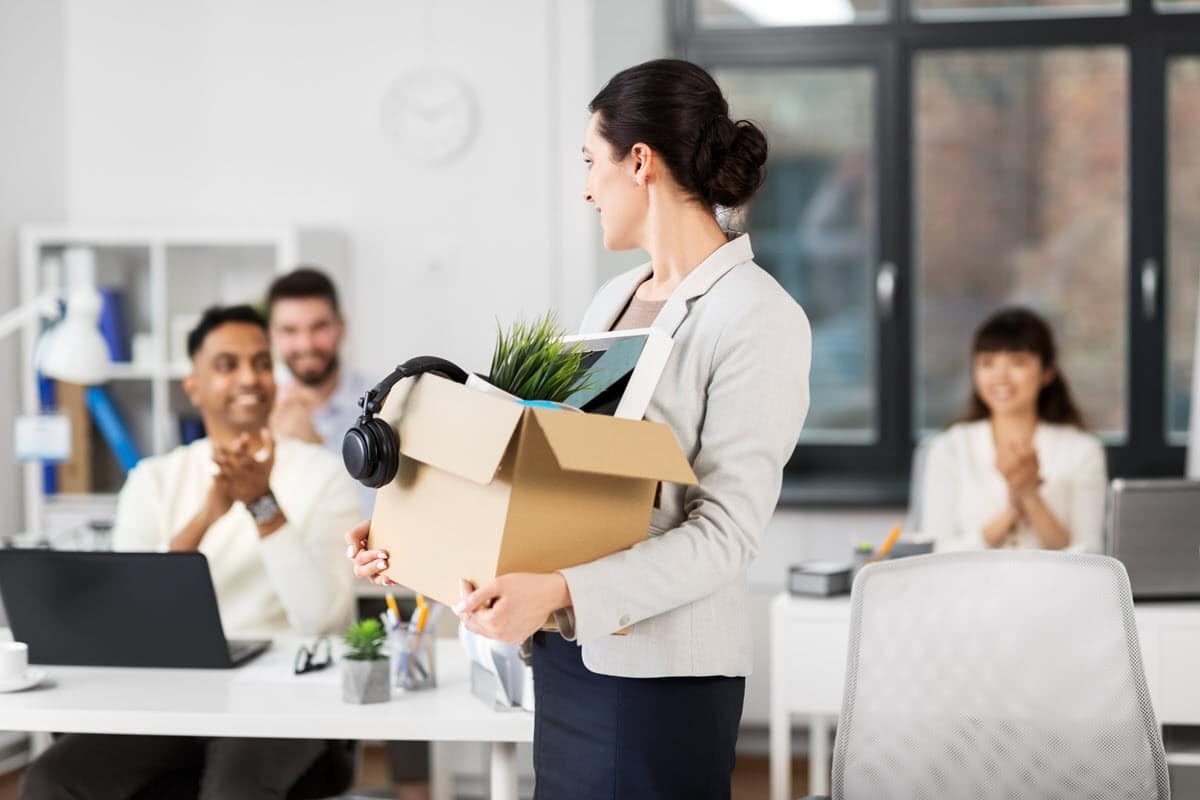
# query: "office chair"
(996, 675)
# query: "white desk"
(810, 643)
(264, 698)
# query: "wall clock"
(429, 117)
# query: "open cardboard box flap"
(611, 446)
(466, 432)
(462, 431)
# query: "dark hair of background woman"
(1019, 330)
(677, 109)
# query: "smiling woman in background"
(1019, 470)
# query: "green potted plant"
(365, 677)
(532, 362)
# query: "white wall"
(223, 111)
(31, 184)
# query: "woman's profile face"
(613, 190)
(1009, 382)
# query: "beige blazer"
(735, 392)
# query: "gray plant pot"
(366, 681)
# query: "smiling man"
(269, 515)
(319, 399)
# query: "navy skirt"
(598, 737)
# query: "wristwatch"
(264, 509)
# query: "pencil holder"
(412, 655)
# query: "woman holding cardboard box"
(654, 713)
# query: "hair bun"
(677, 109)
(730, 161)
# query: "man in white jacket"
(269, 516)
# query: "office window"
(1045, 153)
(772, 13)
(1015, 9)
(1183, 235)
(812, 225)
(1021, 198)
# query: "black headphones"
(370, 449)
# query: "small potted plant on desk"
(365, 674)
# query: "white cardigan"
(961, 489)
(293, 580)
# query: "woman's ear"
(1048, 376)
(643, 163)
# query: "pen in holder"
(412, 654)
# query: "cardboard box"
(488, 486)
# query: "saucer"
(31, 678)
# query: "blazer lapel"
(700, 280)
(617, 295)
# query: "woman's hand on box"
(368, 564)
(511, 608)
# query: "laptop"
(1152, 529)
(623, 369)
(102, 609)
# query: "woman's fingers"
(365, 557)
(370, 563)
(478, 599)
(471, 623)
(368, 572)
(356, 538)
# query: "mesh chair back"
(995, 676)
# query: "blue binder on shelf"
(112, 428)
(47, 403)
(112, 324)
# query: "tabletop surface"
(262, 698)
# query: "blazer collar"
(697, 283)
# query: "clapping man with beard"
(319, 397)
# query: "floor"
(750, 778)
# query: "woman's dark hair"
(1019, 330)
(677, 109)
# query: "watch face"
(429, 117)
(264, 508)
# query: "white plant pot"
(366, 681)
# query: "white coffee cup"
(14, 661)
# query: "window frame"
(1172, 48)
(878, 474)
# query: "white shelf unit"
(166, 274)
